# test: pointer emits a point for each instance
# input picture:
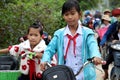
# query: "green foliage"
(17, 15)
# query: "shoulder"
(42, 42)
(41, 45)
(59, 31)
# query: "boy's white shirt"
(24, 46)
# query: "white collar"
(79, 29)
(41, 46)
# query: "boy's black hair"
(70, 4)
(37, 25)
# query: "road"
(100, 74)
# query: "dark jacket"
(111, 33)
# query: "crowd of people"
(106, 26)
(75, 43)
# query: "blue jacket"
(89, 50)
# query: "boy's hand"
(97, 60)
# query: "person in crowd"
(97, 20)
(108, 12)
(88, 19)
(22, 39)
(98, 14)
(111, 35)
(104, 26)
(30, 51)
(46, 37)
(74, 44)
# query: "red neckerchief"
(32, 69)
(74, 43)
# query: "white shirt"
(74, 62)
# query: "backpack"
(59, 72)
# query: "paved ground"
(100, 74)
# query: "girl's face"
(34, 37)
(71, 17)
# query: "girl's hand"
(39, 55)
(97, 60)
(43, 65)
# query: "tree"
(17, 15)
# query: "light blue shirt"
(74, 62)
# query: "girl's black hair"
(37, 25)
(70, 4)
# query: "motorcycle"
(115, 72)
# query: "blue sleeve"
(50, 50)
(93, 46)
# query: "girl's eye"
(72, 13)
(30, 34)
(36, 35)
(66, 14)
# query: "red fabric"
(116, 12)
(16, 48)
(74, 43)
(24, 67)
(39, 75)
(22, 52)
(32, 69)
(9, 47)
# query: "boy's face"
(72, 17)
(34, 37)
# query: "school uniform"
(86, 47)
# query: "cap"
(116, 12)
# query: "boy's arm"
(6, 50)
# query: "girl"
(73, 44)
(31, 52)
